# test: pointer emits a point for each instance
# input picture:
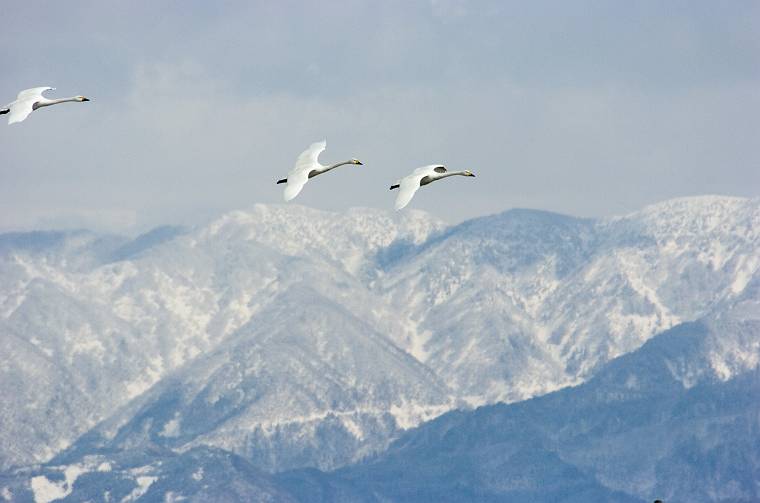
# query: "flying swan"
(419, 177)
(307, 167)
(30, 100)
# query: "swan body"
(30, 100)
(421, 176)
(307, 166)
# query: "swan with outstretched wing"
(30, 100)
(307, 167)
(419, 177)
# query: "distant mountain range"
(284, 338)
(664, 421)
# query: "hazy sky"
(587, 108)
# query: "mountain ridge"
(634, 432)
(496, 308)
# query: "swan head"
(467, 172)
(82, 98)
(356, 161)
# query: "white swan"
(307, 167)
(30, 100)
(419, 177)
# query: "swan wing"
(306, 162)
(296, 181)
(20, 110)
(407, 187)
(410, 184)
(24, 104)
(430, 169)
(34, 92)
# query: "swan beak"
(472, 175)
(85, 99)
(360, 163)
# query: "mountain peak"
(707, 211)
(498, 308)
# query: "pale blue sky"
(588, 108)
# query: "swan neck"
(47, 103)
(453, 173)
(333, 166)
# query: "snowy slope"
(514, 305)
(663, 422)
(92, 322)
(282, 329)
(199, 475)
(286, 394)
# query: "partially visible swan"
(307, 166)
(419, 177)
(29, 100)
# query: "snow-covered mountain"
(676, 419)
(286, 393)
(93, 322)
(514, 305)
(295, 337)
